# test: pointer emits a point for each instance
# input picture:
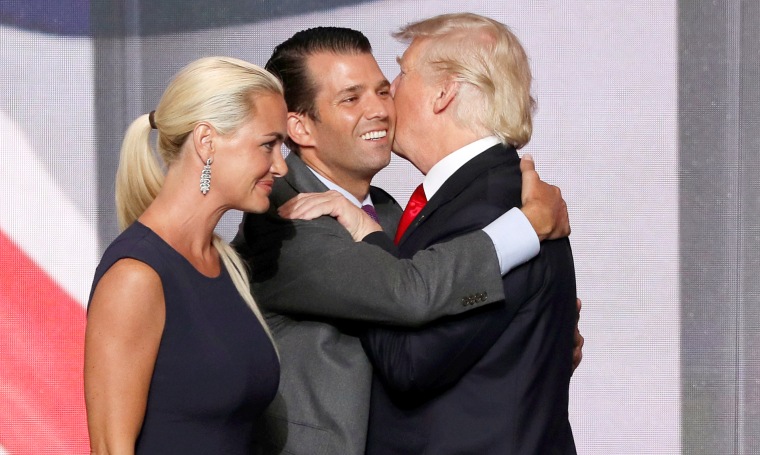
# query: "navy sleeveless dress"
(216, 369)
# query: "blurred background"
(647, 119)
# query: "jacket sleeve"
(431, 359)
(315, 268)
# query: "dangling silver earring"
(206, 177)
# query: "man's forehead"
(350, 59)
(342, 71)
(413, 51)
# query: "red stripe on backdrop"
(41, 360)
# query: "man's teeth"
(374, 135)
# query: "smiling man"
(317, 286)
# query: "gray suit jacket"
(317, 287)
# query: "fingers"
(308, 206)
(527, 163)
(563, 226)
(578, 338)
(578, 351)
(528, 169)
(544, 206)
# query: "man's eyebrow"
(350, 90)
(358, 88)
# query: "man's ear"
(447, 93)
(203, 139)
(300, 127)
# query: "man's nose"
(378, 106)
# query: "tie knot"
(418, 196)
(370, 210)
(416, 202)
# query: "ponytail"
(139, 177)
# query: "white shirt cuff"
(514, 239)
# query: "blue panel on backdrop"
(60, 17)
(170, 16)
(149, 17)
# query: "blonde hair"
(218, 90)
(491, 66)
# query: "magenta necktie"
(371, 212)
(413, 208)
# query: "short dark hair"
(288, 63)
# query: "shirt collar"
(334, 186)
(442, 170)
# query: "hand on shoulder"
(308, 206)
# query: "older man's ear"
(446, 96)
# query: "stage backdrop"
(647, 119)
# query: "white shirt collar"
(334, 186)
(442, 170)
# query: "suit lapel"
(388, 210)
(300, 177)
(459, 180)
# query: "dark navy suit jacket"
(493, 380)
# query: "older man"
(495, 380)
(317, 286)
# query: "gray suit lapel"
(300, 177)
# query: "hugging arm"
(429, 360)
(315, 268)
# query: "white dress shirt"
(334, 186)
(512, 234)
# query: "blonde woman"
(177, 356)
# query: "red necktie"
(413, 208)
